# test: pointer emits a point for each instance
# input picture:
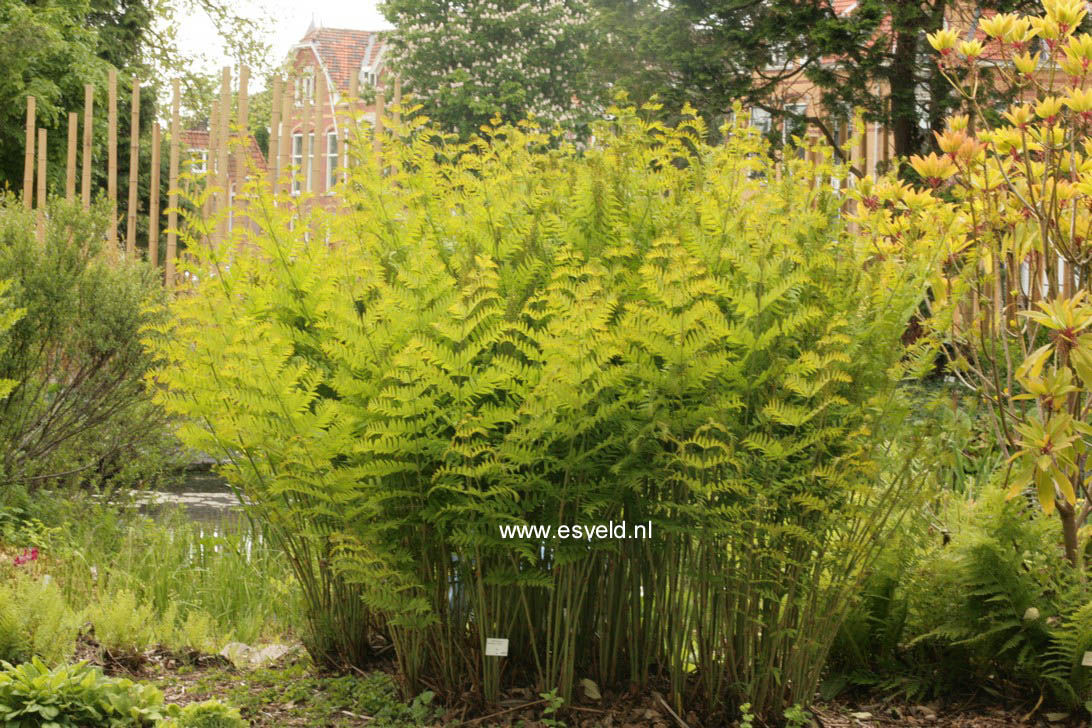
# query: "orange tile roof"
(342, 51)
(199, 139)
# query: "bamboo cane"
(377, 130)
(397, 101)
(172, 210)
(242, 148)
(285, 145)
(307, 145)
(134, 168)
(208, 208)
(319, 179)
(88, 130)
(242, 151)
(354, 93)
(70, 167)
(28, 159)
(112, 158)
(275, 138)
(153, 201)
(41, 185)
(222, 179)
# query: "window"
(331, 159)
(305, 89)
(761, 120)
(199, 161)
(297, 161)
(794, 125)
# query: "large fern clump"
(511, 331)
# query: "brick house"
(195, 145)
(797, 95)
(337, 54)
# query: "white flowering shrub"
(467, 61)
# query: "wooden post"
(172, 211)
(242, 150)
(222, 180)
(377, 129)
(70, 167)
(112, 159)
(306, 147)
(212, 161)
(275, 138)
(354, 93)
(242, 147)
(153, 201)
(28, 158)
(88, 130)
(285, 145)
(318, 169)
(397, 100)
(41, 185)
(134, 167)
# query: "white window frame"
(297, 160)
(305, 89)
(199, 161)
(761, 120)
(332, 165)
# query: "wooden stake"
(88, 130)
(222, 179)
(153, 201)
(275, 137)
(242, 148)
(397, 100)
(285, 145)
(242, 151)
(134, 168)
(41, 185)
(212, 161)
(112, 158)
(70, 167)
(306, 141)
(351, 108)
(28, 159)
(318, 177)
(172, 210)
(377, 130)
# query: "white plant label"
(496, 647)
(1087, 659)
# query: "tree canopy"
(468, 61)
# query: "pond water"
(206, 497)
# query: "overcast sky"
(290, 19)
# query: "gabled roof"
(199, 139)
(342, 51)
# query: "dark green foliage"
(80, 411)
(989, 607)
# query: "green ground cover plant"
(75, 696)
(510, 331)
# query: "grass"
(100, 554)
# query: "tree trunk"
(904, 113)
(1068, 515)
